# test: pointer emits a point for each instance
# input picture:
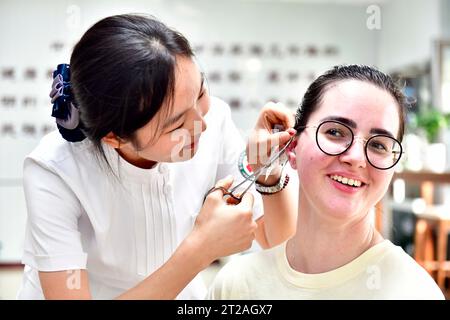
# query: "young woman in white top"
(350, 124)
(116, 198)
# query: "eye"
(335, 132)
(378, 147)
(175, 129)
(179, 127)
(201, 94)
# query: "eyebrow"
(171, 121)
(352, 124)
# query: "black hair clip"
(64, 108)
(61, 94)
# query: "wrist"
(271, 180)
(194, 248)
(280, 185)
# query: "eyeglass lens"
(334, 138)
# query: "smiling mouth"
(347, 181)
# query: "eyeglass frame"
(353, 140)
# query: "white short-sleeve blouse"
(120, 224)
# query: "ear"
(291, 153)
(112, 140)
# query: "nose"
(355, 155)
(199, 121)
(203, 105)
(203, 124)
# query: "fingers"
(268, 145)
(263, 140)
(232, 201)
(220, 187)
(280, 138)
(225, 182)
(277, 113)
(291, 131)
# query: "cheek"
(309, 161)
(166, 148)
(174, 142)
(204, 105)
(381, 181)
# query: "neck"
(323, 243)
(135, 160)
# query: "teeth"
(344, 180)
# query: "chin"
(183, 155)
(340, 208)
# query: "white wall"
(38, 24)
(281, 23)
(407, 30)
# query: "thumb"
(225, 182)
(280, 138)
(220, 188)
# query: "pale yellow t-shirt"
(384, 271)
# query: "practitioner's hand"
(222, 228)
(263, 139)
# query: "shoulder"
(236, 278)
(53, 150)
(54, 157)
(249, 263)
(411, 280)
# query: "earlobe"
(292, 160)
(112, 140)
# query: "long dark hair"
(317, 89)
(122, 70)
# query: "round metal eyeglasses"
(334, 138)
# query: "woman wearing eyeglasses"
(350, 126)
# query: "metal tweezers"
(250, 179)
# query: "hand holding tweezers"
(231, 193)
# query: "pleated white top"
(120, 224)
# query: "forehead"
(186, 89)
(366, 104)
(187, 83)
